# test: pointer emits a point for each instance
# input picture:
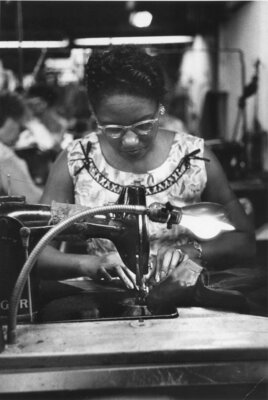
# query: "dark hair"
(11, 106)
(45, 92)
(125, 70)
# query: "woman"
(126, 91)
(15, 178)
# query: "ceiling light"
(141, 40)
(140, 19)
(34, 44)
(151, 40)
(93, 42)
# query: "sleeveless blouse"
(180, 180)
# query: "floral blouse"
(180, 180)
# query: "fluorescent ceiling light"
(34, 44)
(106, 41)
(93, 42)
(140, 19)
(151, 40)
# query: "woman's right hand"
(106, 267)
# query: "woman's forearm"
(229, 249)
(55, 265)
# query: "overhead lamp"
(141, 40)
(140, 19)
(34, 44)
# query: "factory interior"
(127, 332)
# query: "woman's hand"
(107, 267)
(168, 258)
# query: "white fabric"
(36, 134)
(15, 178)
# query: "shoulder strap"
(85, 160)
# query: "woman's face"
(126, 110)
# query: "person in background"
(126, 93)
(15, 178)
(45, 127)
(74, 105)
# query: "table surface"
(200, 346)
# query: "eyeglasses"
(142, 128)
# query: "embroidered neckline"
(92, 169)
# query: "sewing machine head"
(133, 246)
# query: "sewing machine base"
(91, 301)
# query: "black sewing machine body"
(15, 215)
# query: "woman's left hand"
(168, 258)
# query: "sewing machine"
(202, 353)
(22, 225)
(124, 223)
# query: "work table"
(200, 347)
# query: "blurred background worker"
(15, 178)
(45, 127)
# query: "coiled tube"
(28, 265)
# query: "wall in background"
(196, 77)
(247, 30)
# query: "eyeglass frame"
(125, 128)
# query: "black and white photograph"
(133, 200)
